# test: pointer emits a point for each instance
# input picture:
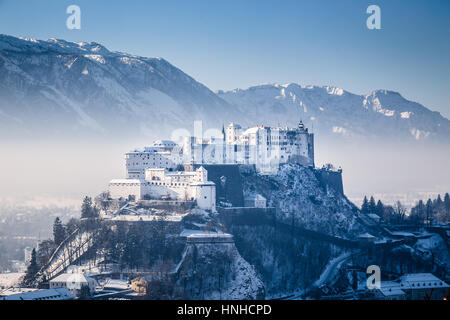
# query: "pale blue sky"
(231, 44)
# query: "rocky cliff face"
(287, 259)
(287, 263)
(299, 198)
(217, 271)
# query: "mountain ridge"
(65, 87)
(362, 114)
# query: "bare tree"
(399, 212)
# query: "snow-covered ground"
(130, 218)
(10, 279)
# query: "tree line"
(436, 210)
(389, 213)
(130, 245)
(423, 213)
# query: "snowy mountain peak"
(336, 112)
(75, 86)
(32, 45)
(79, 86)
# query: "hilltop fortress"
(170, 171)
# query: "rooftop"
(421, 280)
(72, 277)
(366, 236)
(45, 294)
(391, 288)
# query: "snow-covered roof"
(366, 236)
(45, 294)
(402, 233)
(255, 197)
(116, 284)
(73, 278)
(202, 233)
(391, 288)
(374, 216)
(145, 149)
(164, 143)
(421, 280)
(179, 173)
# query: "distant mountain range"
(66, 88)
(334, 111)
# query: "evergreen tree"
(421, 209)
(72, 225)
(379, 208)
(447, 203)
(372, 205)
(418, 213)
(429, 211)
(59, 232)
(132, 252)
(365, 206)
(86, 208)
(32, 269)
(438, 202)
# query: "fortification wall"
(330, 178)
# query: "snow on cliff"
(297, 194)
(217, 271)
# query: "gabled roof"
(45, 294)
(164, 143)
(72, 277)
(421, 280)
(366, 236)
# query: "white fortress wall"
(122, 188)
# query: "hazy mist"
(68, 170)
